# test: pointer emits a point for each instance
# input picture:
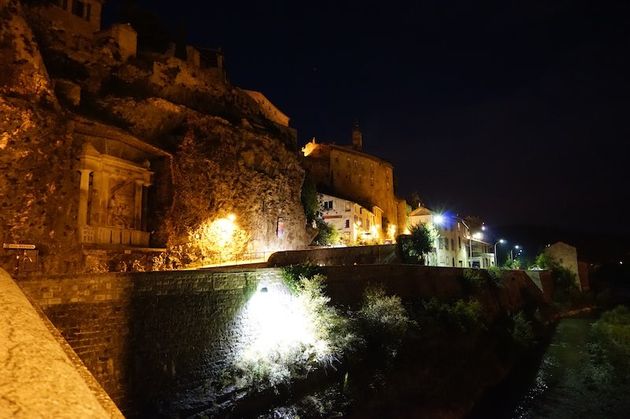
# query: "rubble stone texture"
(227, 156)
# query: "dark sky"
(515, 111)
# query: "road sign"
(18, 246)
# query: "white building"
(456, 246)
(355, 223)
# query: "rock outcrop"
(227, 157)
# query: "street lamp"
(517, 247)
(496, 259)
(438, 219)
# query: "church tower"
(357, 137)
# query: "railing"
(113, 235)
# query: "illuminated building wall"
(355, 223)
(360, 177)
(451, 248)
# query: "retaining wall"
(159, 342)
(356, 255)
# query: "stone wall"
(151, 336)
(158, 342)
(355, 255)
(41, 377)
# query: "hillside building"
(359, 177)
(357, 225)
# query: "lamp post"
(516, 246)
(496, 259)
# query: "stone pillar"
(137, 219)
(84, 191)
(104, 198)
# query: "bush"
(522, 331)
(293, 274)
(463, 315)
(331, 337)
(383, 317)
(327, 234)
(613, 329)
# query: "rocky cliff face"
(228, 159)
(37, 193)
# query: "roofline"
(97, 129)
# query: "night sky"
(513, 111)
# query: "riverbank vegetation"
(387, 351)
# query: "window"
(453, 247)
(459, 241)
(348, 223)
(328, 205)
(441, 243)
(446, 243)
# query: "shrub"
(463, 315)
(495, 273)
(472, 279)
(328, 337)
(293, 274)
(383, 317)
(327, 234)
(613, 329)
(522, 331)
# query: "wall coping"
(41, 376)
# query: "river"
(575, 377)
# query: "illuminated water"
(576, 378)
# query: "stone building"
(566, 256)
(356, 224)
(359, 177)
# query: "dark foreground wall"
(158, 342)
(151, 336)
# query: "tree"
(414, 246)
(327, 234)
(310, 202)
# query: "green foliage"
(332, 339)
(613, 329)
(327, 234)
(495, 273)
(463, 315)
(472, 279)
(414, 246)
(383, 317)
(293, 274)
(522, 331)
(512, 264)
(310, 201)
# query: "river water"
(575, 377)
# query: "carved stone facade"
(115, 177)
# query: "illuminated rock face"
(217, 151)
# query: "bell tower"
(357, 137)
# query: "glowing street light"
(438, 219)
(496, 260)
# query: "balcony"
(114, 236)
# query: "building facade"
(455, 246)
(359, 177)
(357, 225)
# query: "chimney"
(357, 137)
